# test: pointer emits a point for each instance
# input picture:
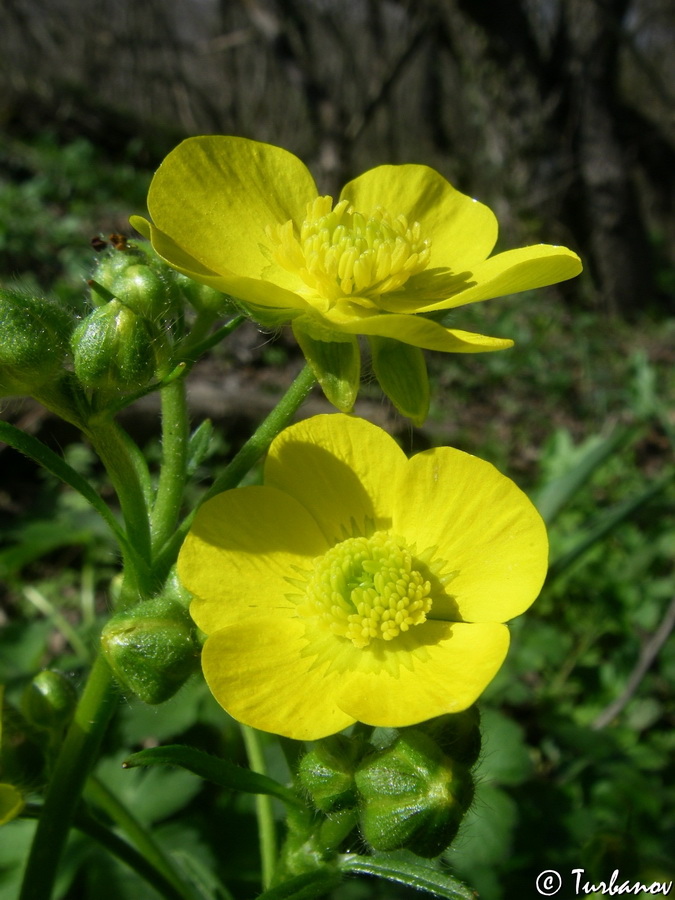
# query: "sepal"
(413, 795)
(402, 373)
(334, 358)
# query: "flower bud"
(413, 795)
(111, 265)
(327, 772)
(34, 337)
(457, 735)
(114, 349)
(145, 292)
(205, 299)
(49, 700)
(152, 649)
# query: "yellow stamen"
(342, 253)
(367, 588)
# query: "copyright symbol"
(548, 883)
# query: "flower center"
(341, 253)
(366, 588)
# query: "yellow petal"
(419, 332)
(506, 273)
(462, 231)
(433, 669)
(341, 469)
(242, 548)
(214, 196)
(484, 528)
(258, 670)
(251, 290)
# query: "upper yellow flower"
(358, 585)
(399, 244)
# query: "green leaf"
(605, 524)
(550, 499)
(411, 872)
(309, 886)
(34, 449)
(198, 446)
(211, 768)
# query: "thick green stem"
(267, 835)
(175, 436)
(75, 761)
(245, 459)
(111, 445)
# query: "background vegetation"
(558, 114)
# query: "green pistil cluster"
(367, 588)
(341, 253)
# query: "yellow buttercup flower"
(398, 248)
(358, 585)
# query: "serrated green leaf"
(411, 872)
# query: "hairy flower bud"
(114, 349)
(34, 337)
(152, 649)
(327, 772)
(49, 700)
(145, 292)
(413, 796)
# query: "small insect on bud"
(152, 649)
(413, 796)
(34, 337)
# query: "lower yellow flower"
(357, 584)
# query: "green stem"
(249, 454)
(99, 795)
(75, 761)
(175, 436)
(195, 345)
(263, 436)
(267, 835)
(111, 445)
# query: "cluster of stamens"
(366, 588)
(342, 253)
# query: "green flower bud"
(152, 649)
(34, 337)
(49, 701)
(111, 265)
(327, 772)
(457, 734)
(413, 796)
(205, 299)
(143, 291)
(114, 349)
